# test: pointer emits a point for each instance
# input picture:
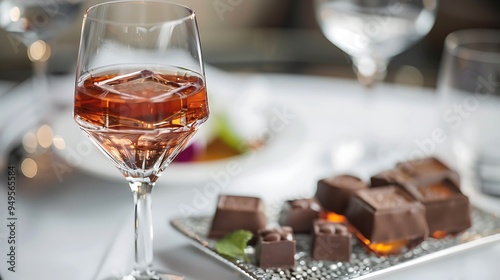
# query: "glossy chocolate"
(237, 212)
(387, 214)
(437, 187)
(333, 193)
(447, 208)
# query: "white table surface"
(80, 227)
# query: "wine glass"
(140, 96)
(371, 32)
(35, 23)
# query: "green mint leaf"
(233, 244)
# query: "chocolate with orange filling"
(388, 220)
(333, 194)
(447, 208)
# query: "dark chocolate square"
(299, 214)
(276, 248)
(447, 208)
(331, 242)
(386, 214)
(237, 212)
(333, 193)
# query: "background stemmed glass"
(140, 96)
(36, 23)
(371, 32)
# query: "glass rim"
(191, 14)
(456, 44)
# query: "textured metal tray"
(485, 230)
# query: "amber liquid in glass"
(140, 118)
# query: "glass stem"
(370, 70)
(143, 225)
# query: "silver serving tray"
(485, 230)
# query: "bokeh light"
(59, 143)
(39, 51)
(29, 142)
(15, 14)
(29, 168)
(44, 136)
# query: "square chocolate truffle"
(447, 208)
(276, 248)
(331, 242)
(299, 214)
(333, 193)
(237, 212)
(388, 215)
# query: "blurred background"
(238, 36)
(275, 36)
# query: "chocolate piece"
(276, 248)
(300, 214)
(388, 214)
(333, 193)
(447, 208)
(423, 167)
(331, 242)
(419, 169)
(388, 177)
(237, 212)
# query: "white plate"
(284, 143)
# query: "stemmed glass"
(35, 23)
(371, 32)
(140, 96)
